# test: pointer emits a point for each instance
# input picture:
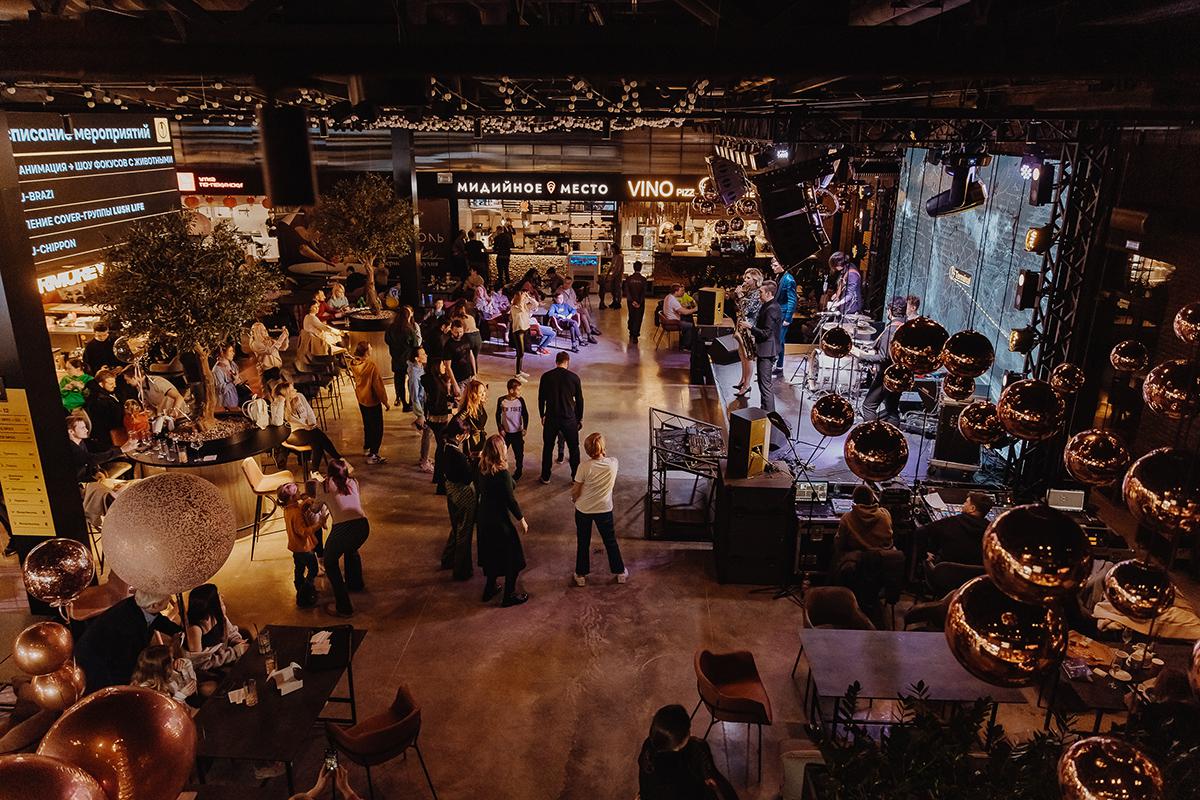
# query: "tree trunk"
(207, 416)
(372, 295)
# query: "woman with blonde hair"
(748, 303)
(498, 518)
(157, 669)
(266, 351)
(473, 416)
(592, 492)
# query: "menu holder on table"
(287, 679)
(328, 648)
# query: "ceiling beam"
(700, 10)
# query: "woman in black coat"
(500, 551)
(674, 765)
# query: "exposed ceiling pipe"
(886, 12)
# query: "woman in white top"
(316, 338)
(521, 315)
(340, 496)
(592, 492)
(299, 416)
(266, 351)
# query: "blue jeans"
(547, 335)
(583, 533)
(416, 392)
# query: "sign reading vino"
(85, 178)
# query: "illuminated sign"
(210, 181)
(661, 188)
(69, 277)
(549, 188)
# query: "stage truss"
(680, 444)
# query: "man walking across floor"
(765, 331)
(560, 405)
(635, 297)
(785, 297)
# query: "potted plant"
(193, 291)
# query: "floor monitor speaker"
(724, 349)
(749, 432)
(950, 449)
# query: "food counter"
(683, 266)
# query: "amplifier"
(754, 537)
(950, 449)
(710, 305)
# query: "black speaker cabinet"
(710, 306)
(287, 156)
(749, 435)
(724, 349)
(754, 537)
(951, 450)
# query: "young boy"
(512, 418)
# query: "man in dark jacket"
(502, 244)
(958, 539)
(98, 353)
(635, 297)
(878, 394)
(560, 405)
(765, 331)
(109, 648)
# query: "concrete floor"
(551, 699)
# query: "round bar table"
(223, 467)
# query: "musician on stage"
(748, 303)
(848, 297)
(785, 297)
(881, 357)
(765, 330)
(914, 306)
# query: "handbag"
(257, 411)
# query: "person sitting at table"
(585, 316)
(338, 305)
(304, 521)
(105, 411)
(231, 389)
(866, 526)
(98, 352)
(474, 281)
(564, 315)
(673, 310)
(73, 384)
(674, 765)
(958, 539)
(212, 640)
(155, 392)
(341, 782)
(91, 465)
(159, 670)
(300, 417)
(316, 339)
(109, 648)
(266, 351)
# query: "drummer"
(878, 394)
(914, 306)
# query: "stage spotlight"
(1022, 340)
(1029, 283)
(1031, 161)
(1011, 377)
(1039, 239)
(1041, 185)
(965, 191)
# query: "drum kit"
(845, 376)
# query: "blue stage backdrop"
(939, 259)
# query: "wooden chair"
(664, 328)
(264, 487)
(732, 691)
(381, 738)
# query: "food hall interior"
(897, 495)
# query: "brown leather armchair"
(382, 737)
(732, 691)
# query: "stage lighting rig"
(965, 191)
(1039, 239)
(1022, 340)
(1029, 283)
(1033, 160)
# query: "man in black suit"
(109, 648)
(765, 331)
(560, 405)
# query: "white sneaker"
(524, 374)
(580, 580)
(623, 577)
(427, 466)
(316, 476)
(522, 377)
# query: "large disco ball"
(832, 415)
(1129, 356)
(979, 424)
(836, 342)
(1139, 590)
(957, 388)
(60, 689)
(58, 570)
(1187, 323)
(1107, 768)
(876, 451)
(968, 354)
(168, 533)
(1173, 389)
(42, 648)
(1096, 457)
(897, 379)
(137, 743)
(917, 345)
(1036, 554)
(1031, 410)
(28, 776)
(1066, 378)
(1000, 640)
(1162, 490)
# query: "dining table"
(276, 728)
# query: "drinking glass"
(264, 642)
(251, 692)
(270, 662)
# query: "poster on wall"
(435, 234)
(24, 486)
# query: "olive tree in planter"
(361, 220)
(194, 291)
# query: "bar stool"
(263, 486)
(303, 454)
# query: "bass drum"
(838, 375)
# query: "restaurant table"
(222, 791)
(1103, 694)
(276, 729)
(886, 664)
(223, 470)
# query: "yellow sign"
(21, 476)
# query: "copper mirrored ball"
(1139, 590)
(979, 424)
(27, 776)
(1000, 640)
(58, 690)
(1187, 323)
(1096, 457)
(968, 354)
(42, 648)
(1162, 490)
(957, 388)
(1066, 378)
(1031, 410)
(1129, 356)
(897, 379)
(1036, 554)
(917, 345)
(1107, 768)
(876, 451)
(57, 570)
(836, 342)
(832, 415)
(1173, 389)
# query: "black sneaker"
(515, 600)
